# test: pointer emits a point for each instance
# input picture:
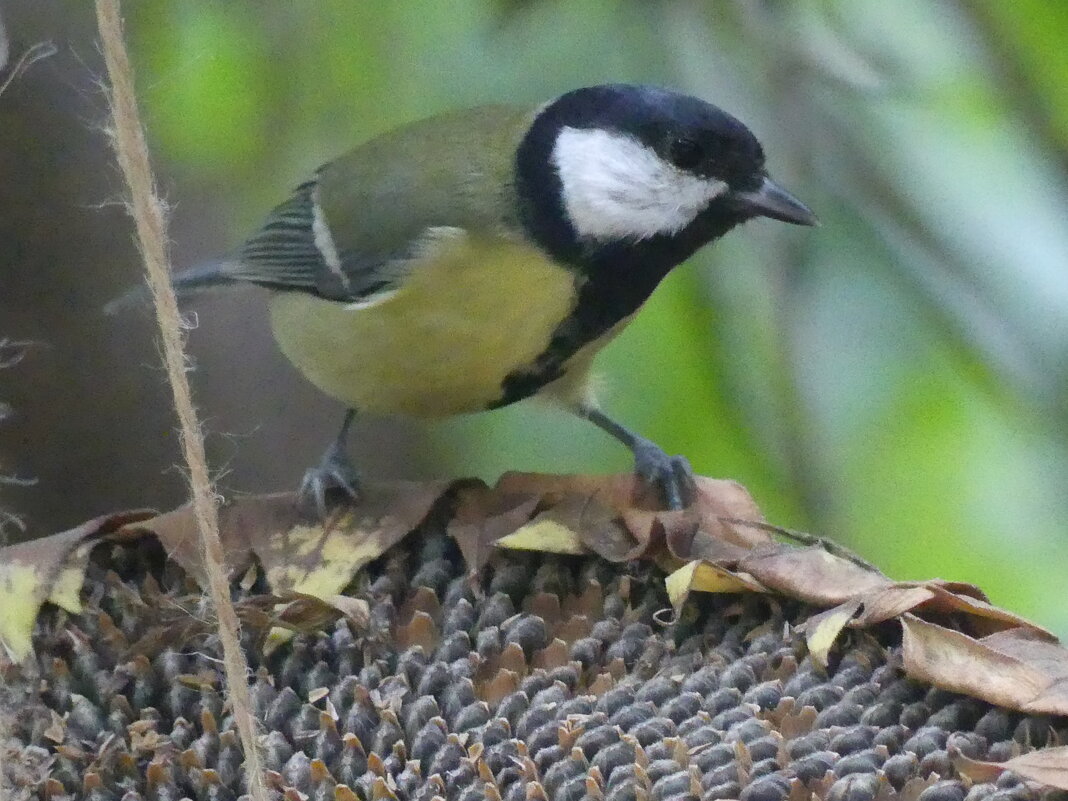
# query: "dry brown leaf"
(601, 511)
(939, 598)
(271, 617)
(722, 505)
(544, 534)
(649, 531)
(697, 576)
(983, 617)
(485, 515)
(822, 630)
(1035, 649)
(1046, 766)
(613, 491)
(810, 574)
(979, 771)
(598, 526)
(301, 612)
(954, 661)
(48, 569)
(889, 602)
(700, 544)
(298, 555)
(714, 526)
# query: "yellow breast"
(471, 311)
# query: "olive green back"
(455, 169)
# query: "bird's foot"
(671, 477)
(335, 475)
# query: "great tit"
(473, 259)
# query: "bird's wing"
(366, 220)
(294, 249)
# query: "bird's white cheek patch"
(614, 187)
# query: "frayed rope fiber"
(148, 213)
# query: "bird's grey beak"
(771, 200)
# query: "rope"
(149, 216)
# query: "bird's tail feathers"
(203, 276)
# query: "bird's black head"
(615, 168)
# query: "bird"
(466, 261)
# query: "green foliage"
(895, 379)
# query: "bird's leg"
(671, 475)
(335, 471)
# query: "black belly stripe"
(600, 306)
(617, 278)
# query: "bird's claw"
(671, 476)
(334, 474)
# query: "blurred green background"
(897, 379)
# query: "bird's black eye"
(685, 153)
